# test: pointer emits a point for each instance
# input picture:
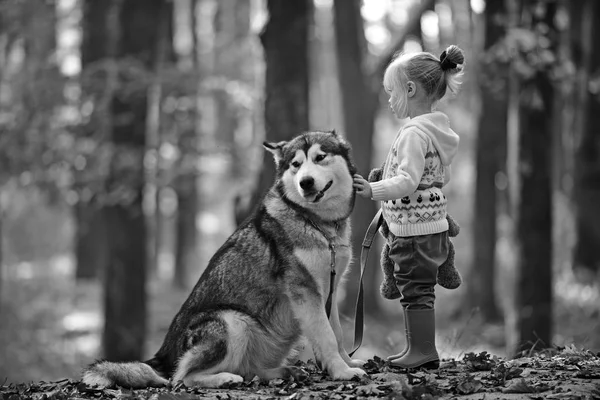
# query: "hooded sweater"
(416, 168)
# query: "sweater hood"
(437, 126)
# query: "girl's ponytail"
(451, 63)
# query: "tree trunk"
(285, 43)
(490, 149)
(1, 248)
(125, 279)
(185, 182)
(186, 246)
(358, 104)
(232, 54)
(587, 156)
(90, 241)
(90, 236)
(534, 207)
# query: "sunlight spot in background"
(501, 180)
(399, 11)
(81, 331)
(430, 24)
(60, 265)
(168, 201)
(374, 10)
(478, 6)
(444, 14)
(258, 16)
(208, 223)
(165, 265)
(412, 46)
(24, 270)
(323, 3)
(575, 292)
(399, 16)
(377, 35)
(430, 29)
(82, 321)
(68, 37)
(71, 65)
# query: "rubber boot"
(420, 332)
(403, 352)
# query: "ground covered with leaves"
(568, 373)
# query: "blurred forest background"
(130, 148)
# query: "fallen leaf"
(469, 385)
(369, 390)
(520, 386)
(387, 377)
(479, 362)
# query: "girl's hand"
(362, 186)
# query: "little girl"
(413, 204)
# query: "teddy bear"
(447, 276)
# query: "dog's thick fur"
(266, 287)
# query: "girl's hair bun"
(451, 58)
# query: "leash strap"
(364, 255)
(331, 279)
(331, 243)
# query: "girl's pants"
(416, 261)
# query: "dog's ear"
(275, 148)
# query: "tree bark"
(285, 43)
(533, 219)
(490, 153)
(125, 279)
(90, 241)
(186, 246)
(90, 236)
(232, 54)
(587, 155)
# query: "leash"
(364, 255)
(331, 244)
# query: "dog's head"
(314, 171)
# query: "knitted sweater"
(415, 170)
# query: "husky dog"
(267, 287)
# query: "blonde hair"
(435, 75)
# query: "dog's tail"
(135, 375)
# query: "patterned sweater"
(415, 170)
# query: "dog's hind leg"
(216, 356)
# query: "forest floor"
(568, 373)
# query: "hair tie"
(445, 63)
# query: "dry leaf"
(520, 386)
(469, 386)
(369, 390)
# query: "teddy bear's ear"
(275, 148)
(375, 175)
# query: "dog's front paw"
(356, 363)
(347, 374)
